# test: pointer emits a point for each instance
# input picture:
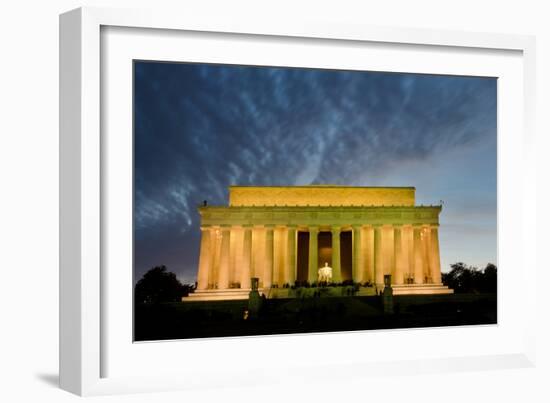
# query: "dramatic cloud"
(200, 128)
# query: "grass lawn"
(277, 316)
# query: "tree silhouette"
(469, 279)
(489, 281)
(159, 285)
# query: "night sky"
(200, 128)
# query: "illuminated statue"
(325, 273)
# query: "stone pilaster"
(313, 254)
(336, 263)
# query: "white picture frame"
(83, 293)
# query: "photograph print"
(283, 200)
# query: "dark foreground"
(226, 318)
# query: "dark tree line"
(469, 279)
(160, 285)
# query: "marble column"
(357, 263)
(278, 259)
(399, 255)
(388, 252)
(408, 246)
(291, 255)
(418, 263)
(247, 257)
(268, 268)
(434, 253)
(235, 255)
(215, 236)
(369, 254)
(378, 268)
(256, 266)
(313, 255)
(205, 260)
(336, 263)
(427, 269)
(223, 273)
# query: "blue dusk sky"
(200, 128)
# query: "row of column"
(410, 253)
(229, 257)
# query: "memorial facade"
(286, 237)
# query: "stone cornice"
(315, 208)
(319, 215)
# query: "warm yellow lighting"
(261, 245)
(316, 195)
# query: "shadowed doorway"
(302, 256)
(325, 248)
(345, 255)
(325, 253)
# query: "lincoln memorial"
(289, 237)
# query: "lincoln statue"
(293, 236)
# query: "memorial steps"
(421, 289)
(283, 293)
(217, 295)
